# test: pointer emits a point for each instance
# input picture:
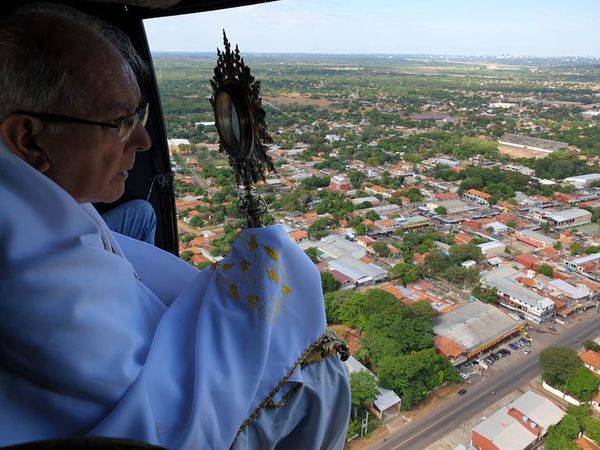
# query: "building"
(178, 145)
(518, 146)
(569, 217)
(413, 222)
(519, 168)
(340, 183)
(477, 196)
(471, 329)
(596, 403)
(452, 206)
(584, 264)
(387, 403)
(516, 297)
(519, 426)
(574, 295)
(359, 272)
(582, 181)
(344, 256)
(585, 443)
(496, 227)
(490, 249)
(534, 238)
(591, 360)
(376, 189)
(374, 201)
(444, 162)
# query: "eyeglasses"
(124, 125)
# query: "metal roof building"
(387, 403)
(570, 217)
(475, 327)
(518, 425)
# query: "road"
(427, 429)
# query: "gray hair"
(35, 72)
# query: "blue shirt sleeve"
(316, 417)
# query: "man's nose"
(140, 139)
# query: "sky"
(441, 27)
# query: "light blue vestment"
(103, 335)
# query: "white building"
(581, 181)
(518, 426)
(570, 217)
(519, 168)
(512, 295)
(387, 403)
(493, 248)
(497, 228)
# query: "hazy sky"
(454, 27)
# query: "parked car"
(527, 352)
(495, 356)
(462, 392)
(504, 352)
(513, 346)
(489, 361)
(464, 376)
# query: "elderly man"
(102, 335)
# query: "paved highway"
(427, 429)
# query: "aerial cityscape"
(452, 206)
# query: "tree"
(361, 229)
(329, 283)
(557, 245)
(381, 249)
(487, 295)
(558, 365)
(561, 435)
(412, 376)
(362, 389)
(591, 345)
(545, 269)
(333, 302)
(372, 215)
(583, 384)
(351, 311)
(318, 229)
(463, 252)
(575, 248)
(313, 254)
(440, 210)
(592, 428)
(405, 273)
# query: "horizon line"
(502, 56)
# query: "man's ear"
(21, 135)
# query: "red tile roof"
(591, 358)
(585, 444)
(447, 347)
(477, 193)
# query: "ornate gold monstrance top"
(240, 121)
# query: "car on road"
(462, 392)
